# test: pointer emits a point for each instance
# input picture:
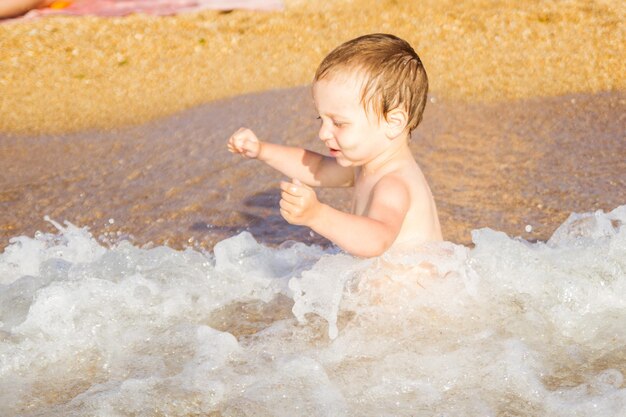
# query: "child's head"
(393, 74)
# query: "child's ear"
(396, 122)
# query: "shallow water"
(256, 317)
(506, 328)
(504, 165)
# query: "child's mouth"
(333, 151)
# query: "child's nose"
(325, 133)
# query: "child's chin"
(344, 162)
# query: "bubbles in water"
(507, 327)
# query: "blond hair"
(394, 74)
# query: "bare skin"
(392, 202)
(13, 8)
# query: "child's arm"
(366, 236)
(309, 167)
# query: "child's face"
(353, 135)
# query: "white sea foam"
(506, 327)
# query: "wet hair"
(394, 74)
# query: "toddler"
(370, 94)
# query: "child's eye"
(335, 123)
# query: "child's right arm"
(309, 167)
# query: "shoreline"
(172, 181)
(67, 74)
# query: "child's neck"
(397, 152)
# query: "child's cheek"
(348, 143)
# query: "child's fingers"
(240, 132)
(240, 139)
(287, 210)
(285, 205)
(244, 147)
(286, 215)
(233, 144)
(290, 188)
(239, 142)
(291, 213)
(291, 199)
(300, 186)
(248, 145)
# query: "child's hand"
(245, 143)
(298, 204)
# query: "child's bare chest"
(362, 198)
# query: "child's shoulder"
(392, 186)
(406, 177)
(404, 171)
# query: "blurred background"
(125, 118)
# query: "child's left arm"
(368, 235)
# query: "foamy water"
(504, 328)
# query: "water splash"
(506, 327)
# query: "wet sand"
(499, 165)
(525, 124)
(120, 125)
(66, 73)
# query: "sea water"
(504, 327)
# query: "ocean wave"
(502, 327)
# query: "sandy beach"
(124, 119)
(66, 73)
(165, 306)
